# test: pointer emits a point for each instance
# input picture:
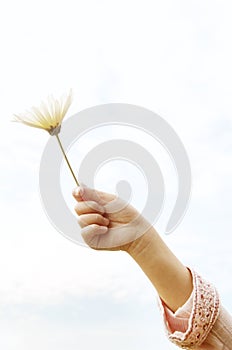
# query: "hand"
(107, 221)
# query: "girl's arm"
(189, 304)
(171, 279)
(104, 227)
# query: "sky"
(173, 58)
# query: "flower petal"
(49, 115)
(67, 104)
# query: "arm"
(170, 277)
(190, 305)
(105, 228)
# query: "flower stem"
(67, 161)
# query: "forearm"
(169, 276)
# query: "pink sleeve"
(190, 325)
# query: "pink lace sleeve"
(190, 325)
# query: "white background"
(173, 57)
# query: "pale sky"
(172, 57)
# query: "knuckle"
(92, 205)
(96, 207)
(97, 218)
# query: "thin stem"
(67, 161)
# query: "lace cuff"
(200, 312)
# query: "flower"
(48, 116)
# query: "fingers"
(90, 210)
(91, 219)
(87, 194)
(92, 232)
(83, 193)
(89, 207)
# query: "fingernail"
(78, 191)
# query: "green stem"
(67, 161)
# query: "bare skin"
(125, 229)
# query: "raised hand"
(107, 221)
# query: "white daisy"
(48, 116)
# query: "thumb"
(84, 193)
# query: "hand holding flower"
(107, 221)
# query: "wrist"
(142, 244)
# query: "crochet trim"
(203, 316)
